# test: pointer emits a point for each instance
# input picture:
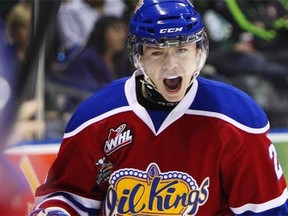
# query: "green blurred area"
(282, 152)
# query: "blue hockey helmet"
(158, 22)
(164, 23)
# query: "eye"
(182, 50)
(156, 53)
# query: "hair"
(19, 15)
(97, 36)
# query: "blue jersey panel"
(111, 96)
(225, 99)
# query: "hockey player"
(166, 141)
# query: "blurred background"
(54, 54)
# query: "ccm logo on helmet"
(171, 30)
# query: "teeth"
(172, 77)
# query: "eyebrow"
(155, 48)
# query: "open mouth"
(173, 84)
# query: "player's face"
(170, 69)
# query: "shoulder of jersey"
(108, 98)
(222, 99)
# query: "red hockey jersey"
(210, 155)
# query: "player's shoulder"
(227, 100)
(110, 97)
(220, 89)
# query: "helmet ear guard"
(203, 51)
(135, 50)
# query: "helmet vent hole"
(169, 18)
(148, 21)
(190, 26)
(151, 31)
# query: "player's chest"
(186, 139)
(128, 140)
(169, 172)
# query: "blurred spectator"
(18, 26)
(15, 38)
(258, 35)
(115, 8)
(26, 128)
(6, 76)
(249, 48)
(102, 60)
(76, 19)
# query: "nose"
(170, 62)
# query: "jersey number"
(273, 156)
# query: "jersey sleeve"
(253, 177)
(71, 181)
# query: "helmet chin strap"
(147, 80)
(153, 95)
